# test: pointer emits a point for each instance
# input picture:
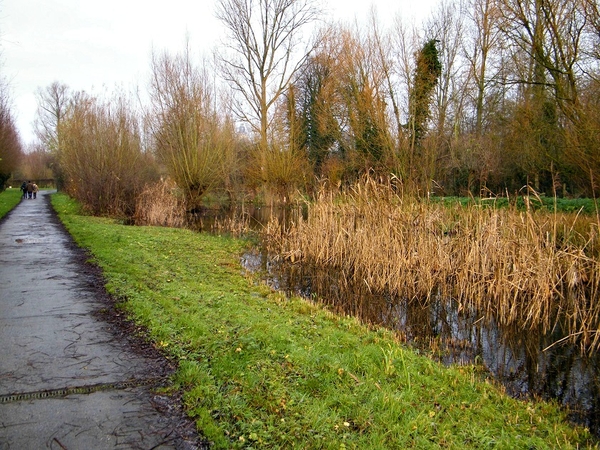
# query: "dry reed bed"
(159, 205)
(163, 204)
(537, 270)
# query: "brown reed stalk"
(160, 205)
(526, 268)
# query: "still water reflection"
(243, 217)
(524, 361)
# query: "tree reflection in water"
(525, 361)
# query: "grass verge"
(8, 200)
(263, 371)
(587, 206)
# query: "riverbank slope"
(263, 371)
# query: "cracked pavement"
(59, 332)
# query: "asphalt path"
(72, 376)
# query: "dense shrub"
(101, 156)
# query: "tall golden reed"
(528, 268)
(159, 204)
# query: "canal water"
(528, 363)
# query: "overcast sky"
(99, 45)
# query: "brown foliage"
(35, 165)
(193, 140)
(516, 268)
(101, 156)
(160, 204)
(10, 144)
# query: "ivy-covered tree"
(315, 104)
(427, 73)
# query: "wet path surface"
(68, 378)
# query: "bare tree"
(53, 102)
(101, 155)
(382, 48)
(192, 140)
(405, 41)
(448, 26)
(551, 34)
(480, 48)
(264, 52)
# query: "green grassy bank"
(565, 205)
(263, 371)
(8, 200)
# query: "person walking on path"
(29, 190)
(24, 189)
(69, 379)
(35, 189)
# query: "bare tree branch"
(264, 52)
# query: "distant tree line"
(486, 96)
